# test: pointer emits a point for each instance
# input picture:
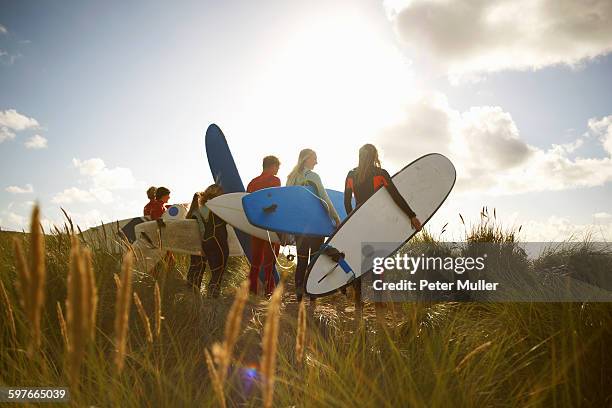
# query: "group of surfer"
(361, 182)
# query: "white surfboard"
(182, 236)
(424, 184)
(112, 235)
(229, 208)
(175, 212)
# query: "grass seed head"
(122, 311)
(300, 338)
(269, 346)
(144, 318)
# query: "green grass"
(426, 354)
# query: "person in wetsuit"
(307, 246)
(263, 253)
(158, 206)
(362, 182)
(215, 248)
(151, 196)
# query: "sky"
(99, 100)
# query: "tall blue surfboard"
(293, 210)
(225, 173)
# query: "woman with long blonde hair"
(303, 175)
(215, 248)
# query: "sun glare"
(334, 85)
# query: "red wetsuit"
(157, 209)
(262, 254)
(147, 208)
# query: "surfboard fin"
(337, 257)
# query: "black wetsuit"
(215, 251)
(374, 180)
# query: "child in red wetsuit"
(263, 254)
(151, 196)
(158, 206)
(156, 210)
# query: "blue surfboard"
(225, 173)
(293, 210)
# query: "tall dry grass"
(32, 280)
(81, 304)
(8, 310)
(300, 338)
(270, 346)
(143, 318)
(122, 311)
(220, 361)
(157, 311)
(432, 354)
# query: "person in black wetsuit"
(362, 182)
(215, 249)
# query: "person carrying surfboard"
(197, 264)
(307, 246)
(263, 253)
(362, 182)
(215, 248)
(151, 196)
(158, 207)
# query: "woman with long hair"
(215, 249)
(362, 182)
(303, 175)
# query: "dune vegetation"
(75, 314)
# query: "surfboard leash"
(284, 268)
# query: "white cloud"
(559, 229)
(602, 216)
(87, 219)
(12, 121)
(3, 29)
(485, 145)
(28, 188)
(470, 36)
(103, 177)
(89, 167)
(72, 195)
(13, 221)
(77, 195)
(36, 142)
(16, 121)
(6, 134)
(603, 128)
(102, 180)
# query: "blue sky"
(119, 95)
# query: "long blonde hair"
(200, 198)
(368, 160)
(195, 204)
(305, 154)
(212, 191)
